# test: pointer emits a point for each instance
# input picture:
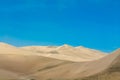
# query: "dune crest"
(82, 71)
(57, 63)
(67, 50)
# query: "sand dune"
(112, 71)
(82, 52)
(71, 71)
(8, 49)
(67, 52)
(90, 52)
(17, 64)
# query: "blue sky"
(90, 23)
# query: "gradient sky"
(90, 23)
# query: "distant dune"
(57, 63)
(67, 52)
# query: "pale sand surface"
(28, 64)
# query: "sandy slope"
(73, 71)
(112, 72)
(24, 64)
(67, 52)
(6, 75)
(17, 61)
(90, 52)
(81, 52)
(8, 49)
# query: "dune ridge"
(84, 70)
(64, 63)
(82, 53)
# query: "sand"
(57, 63)
(67, 52)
